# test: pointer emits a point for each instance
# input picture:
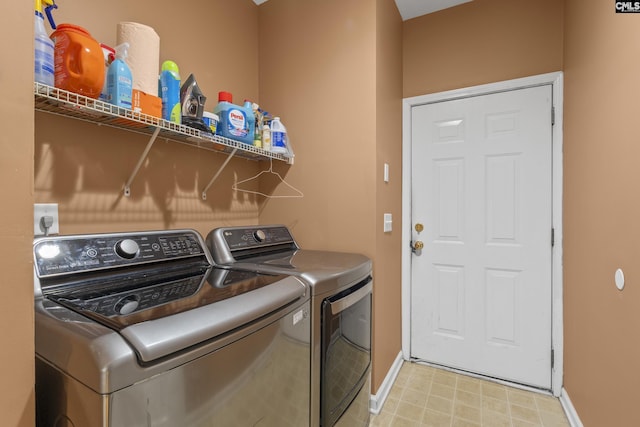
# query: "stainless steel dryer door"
(346, 349)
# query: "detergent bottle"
(119, 79)
(236, 122)
(78, 60)
(279, 141)
(44, 66)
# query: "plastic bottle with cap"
(109, 54)
(259, 119)
(119, 79)
(236, 122)
(278, 136)
(266, 137)
(251, 119)
(79, 61)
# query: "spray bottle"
(44, 66)
(119, 80)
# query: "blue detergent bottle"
(169, 92)
(119, 79)
(236, 122)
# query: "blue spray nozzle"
(47, 10)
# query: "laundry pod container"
(78, 60)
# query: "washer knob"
(260, 235)
(127, 305)
(127, 248)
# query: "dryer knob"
(127, 248)
(260, 236)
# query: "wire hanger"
(298, 194)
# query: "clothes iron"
(192, 101)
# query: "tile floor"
(425, 396)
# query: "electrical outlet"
(41, 210)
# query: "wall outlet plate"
(41, 210)
(388, 222)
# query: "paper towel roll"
(144, 54)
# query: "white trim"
(377, 400)
(569, 410)
(556, 80)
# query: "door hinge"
(553, 237)
(553, 116)
(553, 358)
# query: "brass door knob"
(418, 245)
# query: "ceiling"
(414, 8)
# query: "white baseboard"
(569, 410)
(377, 400)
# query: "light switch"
(386, 172)
(388, 221)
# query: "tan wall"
(317, 71)
(16, 193)
(332, 70)
(84, 167)
(387, 306)
(481, 42)
(601, 208)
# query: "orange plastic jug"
(78, 60)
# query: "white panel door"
(481, 187)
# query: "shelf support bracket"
(204, 192)
(127, 186)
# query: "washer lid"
(159, 317)
(161, 337)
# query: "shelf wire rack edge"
(60, 102)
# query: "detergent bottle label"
(237, 123)
(278, 139)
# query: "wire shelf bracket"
(145, 153)
(204, 191)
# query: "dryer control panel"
(242, 238)
(230, 244)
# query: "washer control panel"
(70, 254)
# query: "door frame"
(556, 80)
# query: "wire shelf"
(68, 104)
